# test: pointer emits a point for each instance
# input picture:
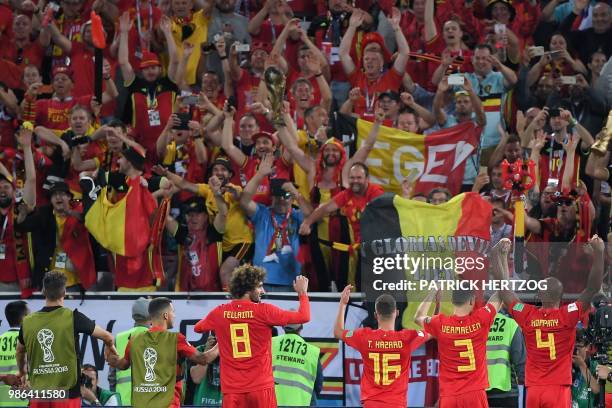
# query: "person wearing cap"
(61, 240)
(298, 374)
(237, 240)
(265, 144)
(54, 113)
(120, 381)
(14, 267)
(373, 78)
(276, 226)
(199, 251)
(468, 107)
(152, 95)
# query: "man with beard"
(152, 95)
(163, 351)
(14, 266)
(61, 240)
(237, 240)
(276, 227)
(351, 203)
(199, 243)
(243, 328)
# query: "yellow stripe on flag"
(419, 219)
(106, 222)
(395, 153)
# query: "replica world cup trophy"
(275, 83)
(150, 359)
(45, 339)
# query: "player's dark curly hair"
(245, 278)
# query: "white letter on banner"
(463, 151)
(407, 165)
(432, 163)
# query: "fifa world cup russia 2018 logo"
(45, 339)
(150, 359)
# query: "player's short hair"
(385, 306)
(15, 312)
(158, 306)
(54, 285)
(245, 278)
(461, 297)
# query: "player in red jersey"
(385, 353)
(550, 331)
(244, 333)
(462, 344)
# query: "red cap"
(374, 37)
(149, 59)
(62, 69)
(265, 134)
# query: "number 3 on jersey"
(549, 344)
(241, 344)
(469, 354)
(386, 367)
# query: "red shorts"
(67, 403)
(253, 399)
(472, 399)
(549, 396)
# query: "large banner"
(342, 365)
(439, 158)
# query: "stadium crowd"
(174, 129)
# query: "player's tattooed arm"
(596, 249)
(344, 299)
(495, 301)
(421, 316)
(207, 357)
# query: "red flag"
(97, 31)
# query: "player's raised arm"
(421, 317)
(495, 301)
(595, 247)
(344, 299)
(500, 270)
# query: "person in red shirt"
(22, 50)
(152, 95)
(373, 78)
(385, 353)
(162, 316)
(550, 331)
(243, 328)
(265, 143)
(462, 343)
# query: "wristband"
(107, 77)
(573, 122)
(222, 57)
(318, 75)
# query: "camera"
(85, 381)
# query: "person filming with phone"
(92, 394)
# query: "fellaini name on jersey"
(247, 314)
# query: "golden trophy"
(601, 144)
(275, 83)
